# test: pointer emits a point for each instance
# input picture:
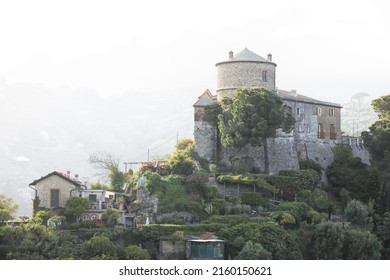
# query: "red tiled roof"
(206, 235)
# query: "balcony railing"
(104, 205)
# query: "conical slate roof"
(246, 55)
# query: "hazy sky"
(324, 49)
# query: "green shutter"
(54, 198)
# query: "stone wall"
(146, 206)
(205, 135)
(281, 152)
(234, 190)
(231, 76)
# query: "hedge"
(308, 178)
(254, 199)
(286, 186)
(259, 181)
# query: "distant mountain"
(43, 130)
(357, 115)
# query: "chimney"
(68, 173)
(231, 54)
(269, 57)
(76, 176)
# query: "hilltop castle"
(316, 131)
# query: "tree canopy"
(252, 116)
(75, 206)
(7, 208)
(108, 164)
(377, 141)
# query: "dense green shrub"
(134, 252)
(299, 210)
(350, 173)
(273, 237)
(287, 187)
(307, 178)
(181, 163)
(259, 181)
(153, 182)
(328, 241)
(309, 164)
(219, 205)
(253, 251)
(254, 199)
(99, 247)
(228, 219)
(361, 245)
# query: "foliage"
(228, 219)
(212, 112)
(359, 214)
(318, 199)
(271, 236)
(98, 247)
(350, 173)
(361, 245)
(75, 206)
(7, 209)
(307, 178)
(287, 187)
(176, 198)
(110, 216)
(67, 247)
(250, 117)
(153, 182)
(310, 164)
(259, 181)
(219, 205)
(196, 183)
(33, 241)
(99, 186)
(44, 215)
(328, 241)
(254, 199)
(181, 163)
(183, 144)
(377, 141)
(253, 251)
(383, 232)
(136, 253)
(299, 210)
(108, 164)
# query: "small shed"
(207, 247)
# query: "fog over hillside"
(46, 129)
(357, 115)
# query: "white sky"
(324, 49)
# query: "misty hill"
(357, 115)
(44, 129)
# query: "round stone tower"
(244, 70)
